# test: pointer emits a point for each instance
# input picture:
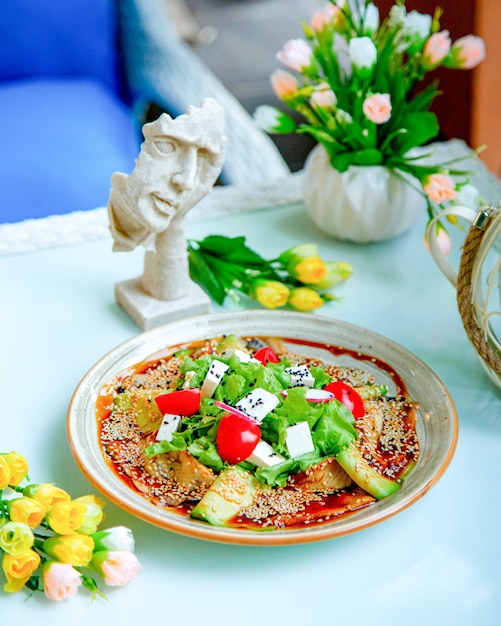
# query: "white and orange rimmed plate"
(437, 424)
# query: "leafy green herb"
(227, 267)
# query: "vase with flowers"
(357, 84)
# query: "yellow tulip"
(303, 263)
(47, 494)
(18, 467)
(73, 549)
(336, 272)
(16, 538)
(310, 270)
(4, 473)
(305, 299)
(93, 515)
(26, 510)
(18, 569)
(66, 517)
(270, 293)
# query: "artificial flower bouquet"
(356, 84)
(51, 542)
(298, 278)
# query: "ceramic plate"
(436, 425)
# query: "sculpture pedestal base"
(149, 312)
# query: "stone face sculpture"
(179, 162)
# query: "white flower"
(272, 120)
(360, 13)
(363, 53)
(266, 117)
(371, 22)
(340, 48)
(468, 195)
(116, 538)
(418, 24)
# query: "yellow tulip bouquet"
(51, 542)
(298, 278)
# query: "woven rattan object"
(477, 281)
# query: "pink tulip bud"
(443, 240)
(117, 567)
(436, 48)
(377, 108)
(284, 84)
(326, 16)
(439, 188)
(467, 52)
(60, 580)
(323, 96)
(295, 54)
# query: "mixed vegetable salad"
(257, 417)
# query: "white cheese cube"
(264, 455)
(187, 379)
(216, 371)
(258, 403)
(170, 424)
(244, 357)
(300, 376)
(298, 439)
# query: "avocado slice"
(230, 341)
(358, 469)
(148, 415)
(232, 490)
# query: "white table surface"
(437, 562)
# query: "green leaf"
(178, 443)
(334, 430)
(202, 274)
(204, 449)
(231, 249)
(420, 127)
(369, 156)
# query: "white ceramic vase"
(364, 204)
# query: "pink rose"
(323, 96)
(295, 54)
(284, 84)
(60, 580)
(117, 567)
(468, 52)
(439, 188)
(436, 48)
(377, 108)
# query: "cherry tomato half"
(184, 402)
(348, 396)
(266, 355)
(236, 438)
